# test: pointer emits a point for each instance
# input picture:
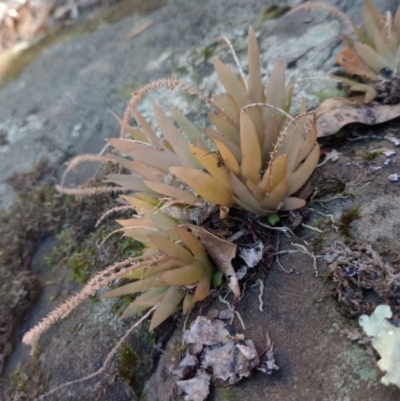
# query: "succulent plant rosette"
(249, 162)
(374, 56)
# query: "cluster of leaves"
(375, 54)
(252, 135)
(371, 57)
(255, 159)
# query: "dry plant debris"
(335, 113)
(216, 352)
(386, 341)
(356, 270)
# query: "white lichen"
(386, 341)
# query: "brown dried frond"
(109, 212)
(90, 191)
(101, 280)
(76, 161)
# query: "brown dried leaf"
(353, 64)
(221, 252)
(335, 113)
(370, 57)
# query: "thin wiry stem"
(109, 212)
(319, 4)
(235, 58)
(281, 137)
(118, 230)
(108, 359)
(170, 83)
(317, 79)
(99, 281)
(76, 161)
(270, 106)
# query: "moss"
(209, 51)
(228, 394)
(85, 257)
(128, 360)
(121, 303)
(27, 380)
(39, 211)
(125, 91)
(134, 364)
(369, 156)
(317, 243)
(347, 217)
(273, 11)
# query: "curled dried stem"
(170, 83)
(109, 212)
(107, 360)
(99, 281)
(235, 58)
(332, 10)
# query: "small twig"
(277, 258)
(311, 228)
(260, 295)
(235, 58)
(282, 229)
(246, 223)
(240, 319)
(136, 31)
(107, 360)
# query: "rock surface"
(58, 107)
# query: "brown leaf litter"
(216, 352)
(361, 280)
(333, 114)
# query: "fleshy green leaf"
(251, 153)
(211, 163)
(297, 179)
(186, 275)
(186, 126)
(231, 82)
(175, 138)
(273, 219)
(173, 296)
(207, 186)
(134, 133)
(227, 156)
(154, 295)
(174, 193)
(188, 303)
(172, 249)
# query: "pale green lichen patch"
(386, 341)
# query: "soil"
(58, 107)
